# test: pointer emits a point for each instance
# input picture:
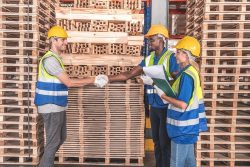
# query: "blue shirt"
(186, 88)
(185, 94)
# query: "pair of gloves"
(101, 80)
(148, 81)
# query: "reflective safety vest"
(192, 120)
(49, 89)
(153, 98)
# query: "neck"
(56, 51)
(159, 50)
(184, 64)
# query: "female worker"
(186, 113)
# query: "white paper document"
(156, 71)
(158, 75)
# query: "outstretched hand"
(101, 80)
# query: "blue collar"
(182, 70)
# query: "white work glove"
(160, 93)
(101, 80)
(147, 80)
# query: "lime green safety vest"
(192, 120)
(49, 89)
(164, 60)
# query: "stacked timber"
(104, 126)
(98, 37)
(23, 27)
(223, 27)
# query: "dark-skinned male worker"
(160, 55)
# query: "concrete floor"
(149, 161)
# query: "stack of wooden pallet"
(105, 126)
(223, 27)
(23, 25)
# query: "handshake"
(101, 80)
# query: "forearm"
(177, 103)
(70, 82)
(126, 75)
(81, 82)
(120, 77)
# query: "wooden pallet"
(23, 40)
(109, 123)
(16, 109)
(223, 29)
(25, 159)
(107, 161)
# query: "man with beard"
(160, 55)
(52, 93)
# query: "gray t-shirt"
(53, 67)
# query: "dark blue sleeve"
(142, 63)
(186, 88)
(174, 67)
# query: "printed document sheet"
(158, 74)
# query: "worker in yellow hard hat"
(52, 93)
(160, 55)
(186, 116)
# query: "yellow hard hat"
(157, 29)
(57, 31)
(191, 44)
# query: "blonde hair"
(191, 59)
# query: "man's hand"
(147, 80)
(101, 80)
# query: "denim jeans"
(182, 155)
(162, 143)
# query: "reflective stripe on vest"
(51, 93)
(192, 120)
(183, 123)
(150, 91)
(49, 89)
